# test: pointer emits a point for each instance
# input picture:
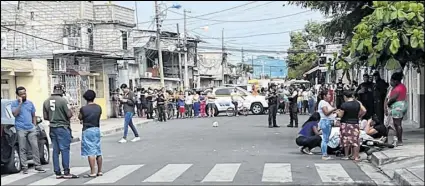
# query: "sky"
(239, 22)
(252, 21)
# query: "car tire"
(257, 108)
(14, 165)
(215, 111)
(44, 152)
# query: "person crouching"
(309, 135)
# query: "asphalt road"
(241, 151)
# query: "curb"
(379, 158)
(407, 178)
(77, 139)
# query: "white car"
(256, 104)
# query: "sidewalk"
(404, 164)
(107, 126)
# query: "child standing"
(181, 105)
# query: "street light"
(158, 41)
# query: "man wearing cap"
(57, 112)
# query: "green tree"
(392, 36)
(345, 15)
(299, 63)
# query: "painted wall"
(276, 68)
(37, 88)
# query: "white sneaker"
(122, 140)
(135, 139)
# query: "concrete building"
(210, 69)
(269, 67)
(32, 75)
(82, 43)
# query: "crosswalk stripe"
(51, 180)
(15, 177)
(277, 172)
(168, 173)
(331, 173)
(222, 173)
(114, 175)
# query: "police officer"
(339, 96)
(380, 89)
(160, 101)
(293, 107)
(272, 97)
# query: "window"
(124, 39)
(32, 16)
(222, 92)
(90, 32)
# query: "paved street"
(241, 151)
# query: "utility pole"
(186, 71)
(137, 15)
(222, 57)
(158, 44)
(243, 59)
(252, 65)
(180, 57)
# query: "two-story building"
(80, 43)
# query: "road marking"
(51, 180)
(169, 173)
(114, 175)
(14, 177)
(277, 172)
(222, 173)
(333, 173)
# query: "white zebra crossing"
(169, 173)
(271, 173)
(222, 173)
(51, 180)
(15, 177)
(331, 173)
(277, 172)
(114, 175)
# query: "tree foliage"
(299, 63)
(392, 36)
(345, 15)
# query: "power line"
(211, 13)
(242, 21)
(255, 35)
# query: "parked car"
(10, 161)
(256, 104)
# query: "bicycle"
(242, 109)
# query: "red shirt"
(401, 90)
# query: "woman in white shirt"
(306, 94)
(189, 104)
(325, 110)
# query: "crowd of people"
(371, 109)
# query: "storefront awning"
(315, 69)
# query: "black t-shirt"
(273, 98)
(351, 112)
(161, 99)
(91, 115)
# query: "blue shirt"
(24, 120)
(307, 129)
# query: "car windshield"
(6, 112)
